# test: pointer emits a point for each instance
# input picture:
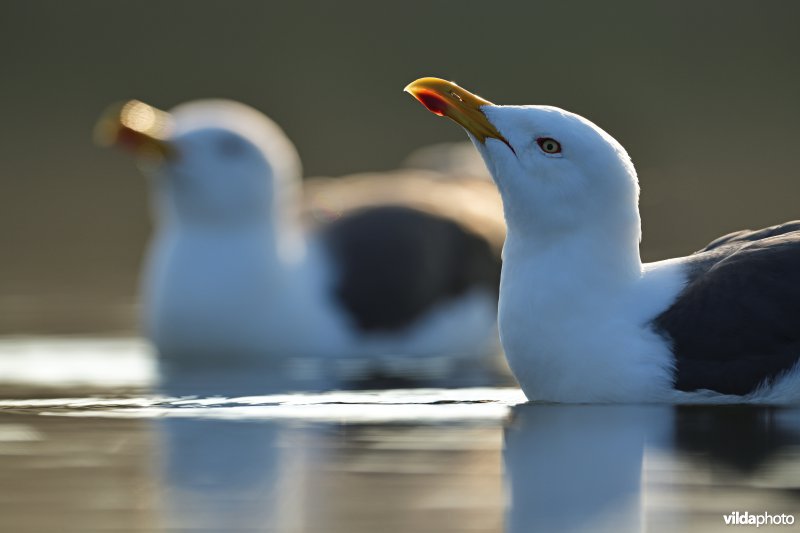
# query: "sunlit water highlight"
(86, 444)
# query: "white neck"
(570, 316)
(596, 255)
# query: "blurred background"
(702, 94)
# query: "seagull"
(581, 318)
(234, 281)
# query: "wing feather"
(736, 325)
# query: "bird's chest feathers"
(573, 334)
(200, 283)
(550, 314)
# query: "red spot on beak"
(433, 101)
(129, 138)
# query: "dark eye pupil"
(231, 146)
(550, 146)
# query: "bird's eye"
(548, 145)
(231, 146)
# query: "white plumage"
(235, 288)
(581, 318)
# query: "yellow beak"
(447, 99)
(137, 126)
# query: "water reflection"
(234, 476)
(578, 468)
(407, 460)
(735, 440)
(391, 461)
(238, 476)
(363, 461)
(655, 468)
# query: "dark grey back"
(736, 325)
(395, 263)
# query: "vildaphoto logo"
(764, 519)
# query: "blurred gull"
(389, 286)
(453, 158)
(581, 318)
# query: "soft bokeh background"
(703, 94)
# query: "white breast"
(572, 335)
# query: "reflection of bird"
(236, 475)
(761, 436)
(577, 468)
(403, 289)
(581, 318)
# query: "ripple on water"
(73, 370)
(404, 405)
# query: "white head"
(558, 173)
(214, 163)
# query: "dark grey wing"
(395, 263)
(743, 237)
(736, 325)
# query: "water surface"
(86, 445)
